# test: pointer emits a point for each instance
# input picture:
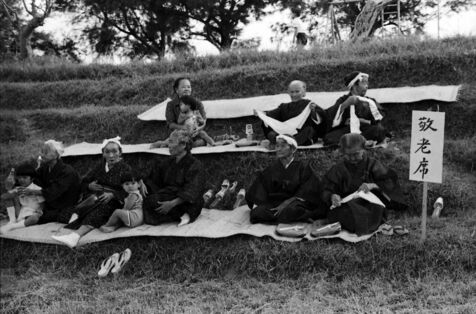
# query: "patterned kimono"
(170, 179)
(60, 188)
(276, 184)
(359, 215)
(310, 131)
(99, 213)
(374, 131)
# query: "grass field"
(241, 274)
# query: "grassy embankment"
(242, 273)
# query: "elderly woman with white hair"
(59, 182)
(287, 191)
(175, 185)
(358, 172)
(102, 194)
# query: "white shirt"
(298, 25)
(32, 201)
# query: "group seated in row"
(111, 194)
(302, 118)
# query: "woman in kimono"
(358, 172)
(175, 185)
(355, 113)
(60, 183)
(287, 191)
(102, 191)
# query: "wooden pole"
(424, 211)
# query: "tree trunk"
(25, 34)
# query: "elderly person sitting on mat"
(286, 191)
(60, 183)
(360, 173)
(102, 194)
(315, 125)
(175, 185)
(355, 113)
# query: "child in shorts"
(26, 199)
(131, 214)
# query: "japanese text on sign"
(426, 149)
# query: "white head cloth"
(288, 139)
(357, 78)
(55, 146)
(111, 140)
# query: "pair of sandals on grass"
(114, 263)
(319, 229)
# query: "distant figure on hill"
(287, 191)
(355, 113)
(175, 186)
(314, 125)
(191, 118)
(360, 173)
(299, 35)
(182, 87)
(102, 194)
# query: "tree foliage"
(414, 14)
(149, 27)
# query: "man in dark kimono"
(316, 124)
(175, 186)
(287, 191)
(60, 183)
(358, 172)
(355, 113)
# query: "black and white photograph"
(237, 156)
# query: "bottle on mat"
(225, 186)
(10, 181)
(207, 198)
(249, 132)
(233, 187)
(239, 198)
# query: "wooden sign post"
(426, 154)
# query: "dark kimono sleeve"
(311, 187)
(275, 113)
(170, 116)
(154, 180)
(194, 182)
(90, 177)
(331, 185)
(332, 111)
(387, 181)
(59, 185)
(257, 193)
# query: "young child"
(131, 214)
(191, 118)
(27, 207)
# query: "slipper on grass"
(107, 265)
(124, 257)
(386, 229)
(330, 229)
(400, 230)
(296, 230)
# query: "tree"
(222, 20)
(37, 14)
(142, 27)
(413, 13)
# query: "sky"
(463, 23)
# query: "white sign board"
(426, 149)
